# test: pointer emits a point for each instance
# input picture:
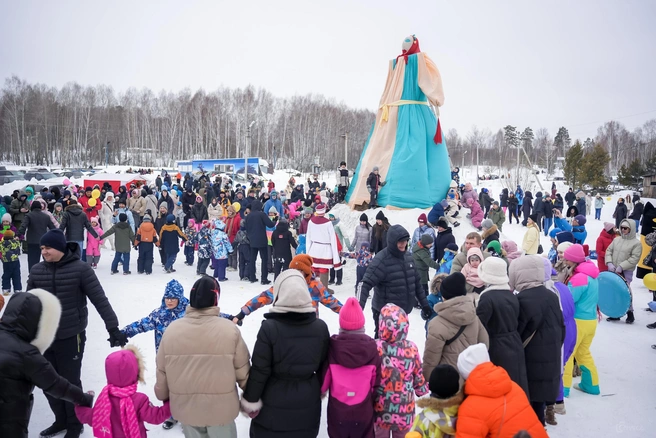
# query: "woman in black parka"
(283, 392)
(28, 327)
(541, 325)
(498, 310)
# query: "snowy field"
(622, 352)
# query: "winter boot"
(586, 382)
(168, 424)
(560, 408)
(550, 416)
(653, 346)
(6, 292)
(576, 372)
(457, 224)
(53, 430)
(652, 325)
(609, 319)
(630, 319)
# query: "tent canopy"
(114, 179)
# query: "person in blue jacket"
(519, 194)
(577, 228)
(437, 212)
(274, 202)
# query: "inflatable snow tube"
(614, 295)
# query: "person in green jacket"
(124, 240)
(497, 216)
(423, 260)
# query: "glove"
(611, 267)
(117, 338)
(619, 270)
(369, 189)
(426, 313)
(89, 209)
(88, 399)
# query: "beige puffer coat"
(200, 360)
(626, 250)
(451, 315)
(137, 204)
(531, 240)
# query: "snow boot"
(586, 382)
(168, 424)
(652, 325)
(6, 292)
(576, 372)
(566, 392)
(630, 319)
(609, 319)
(550, 416)
(457, 224)
(53, 430)
(560, 408)
(653, 346)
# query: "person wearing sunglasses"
(622, 257)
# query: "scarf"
(102, 412)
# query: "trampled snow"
(622, 352)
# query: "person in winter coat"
(531, 241)
(495, 406)
(552, 255)
(401, 375)
(558, 202)
(203, 239)
(393, 276)
(472, 240)
(598, 204)
(622, 257)
(57, 212)
(34, 226)
(577, 228)
(362, 233)
(199, 211)
(467, 194)
(190, 244)
(220, 249)
(174, 305)
(512, 252)
(621, 212)
(106, 214)
(203, 391)
(352, 374)
(580, 203)
(542, 329)
(572, 212)
(145, 241)
(527, 206)
(490, 232)
(168, 241)
(455, 327)
(423, 260)
(233, 222)
(322, 245)
(124, 370)
(137, 206)
(585, 291)
(442, 239)
(547, 214)
(503, 199)
(497, 216)
(166, 198)
(436, 212)
(452, 212)
(446, 263)
(19, 208)
(10, 249)
(379, 233)
(374, 184)
(477, 214)
(74, 223)
(274, 202)
(27, 330)
(93, 243)
(638, 208)
(422, 228)
(256, 223)
(606, 237)
(151, 202)
(124, 238)
(84, 199)
(485, 200)
(473, 283)
(498, 310)
(513, 207)
(570, 197)
(123, 209)
(215, 210)
(283, 392)
(283, 242)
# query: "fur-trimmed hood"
(439, 403)
(490, 231)
(125, 367)
(436, 283)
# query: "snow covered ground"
(622, 352)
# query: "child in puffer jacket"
(353, 371)
(450, 253)
(93, 243)
(435, 296)
(401, 372)
(190, 244)
(119, 408)
(10, 249)
(363, 257)
(477, 215)
(470, 271)
(440, 410)
(220, 249)
(204, 241)
(242, 245)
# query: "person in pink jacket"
(93, 243)
(477, 214)
(120, 411)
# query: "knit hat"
(273, 210)
(563, 246)
(351, 317)
(54, 239)
(444, 203)
(608, 226)
(422, 218)
(453, 286)
(205, 292)
(122, 217)
(471, 357)
(290, 294)
(191, 222)
(494, 246)
(452, 247)
(565, 236)
(6, 217)
(533, 217)
(35, 205)
(442, 223)
(94, 219)
(199, 199)
(580, 219)
(303, 263)
(8, 235)
(487, 224)
(444, 381)
(493, 271)
(88, 189)
(380, 215)
(147, 218)
(426, 239)
(320, 209)
(364, 218)
(308, 210)
(553, 232)
(574, 253)
(170, 219)
(376, 168)
(495, 203)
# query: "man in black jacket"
(73, 224)
(35, 224)
(27, 329)
(256, 223)
(188, 200)
(394, 278)
(63, 274)
(570, 197)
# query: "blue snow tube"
(614, 295)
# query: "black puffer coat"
(393, 276)
(199, 212)
(442, 239)
(73, 281)
(36, 223)
(287, 359)
(22, 366)
(256, 223)
(498, 310)
(74, 222)
(527, 205)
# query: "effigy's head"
(410, 45)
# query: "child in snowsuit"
(440, 410)
(401, 372)
(190, 244)
(174, 305)
(423, 260)
(477, 214)
(146, 240)
(93, 243)
(283, 241)
(168, 239)
(363, 258)
(204, 241)
(470, 271)
(435, 296)
(220, 249)
(450, 253)
(243, 248)
(119, 408)
(123, 243)
(10, 248)
(353, 371)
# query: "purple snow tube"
(567, 302)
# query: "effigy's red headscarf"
(410, 46)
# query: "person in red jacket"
(606, 237)
(84, 201)
(232, 228)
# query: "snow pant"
(189, 254)
(33, 255)
(162, 256)
(548, 221)
(519, 210)
(339, 275)
(487, 210)
(263, 252)
(539, 408)
(232, 259)
(628, 277)
(224, 431)
(220, 266)
(244, 257)
(270, 258)
(379, 432)
(505, 209)
(170, 260)
(341, 193)
(65, 356)
(11, 274)
(83, 253)
(373, 198)
(201, 267)
(145, 260)
(511, 214)
(125, 257)
(280, 265)
(137, 219)
(323, 278)
(359, 275)
(92, 259)
(539, 223)
(585, 334)
(598, 214)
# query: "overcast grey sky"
(526, 63)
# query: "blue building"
(230, 166)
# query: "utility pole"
(517, 176)
(462, 166)
(345, 137)
(247, 149)
(477, 163)
(107, 153)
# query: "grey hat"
(487, 224)
(375, 168)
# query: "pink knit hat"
(351, 317)
(575, 253)
(608, 226)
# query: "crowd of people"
(507, 330)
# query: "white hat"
(291, 294)
(492, 271)
(471, 357)
(563, 246)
